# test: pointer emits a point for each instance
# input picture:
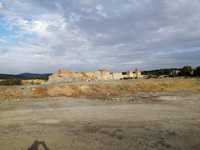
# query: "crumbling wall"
(65, 76)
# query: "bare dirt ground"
(138, 120)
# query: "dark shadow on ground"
(35, 145)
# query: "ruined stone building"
(64, 76)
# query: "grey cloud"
(114, 34)
(177, 59)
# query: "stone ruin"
(64, 76)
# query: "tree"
(197, 71)
(11, 81)
(185, 71)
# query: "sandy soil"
(138, 121)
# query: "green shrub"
(11, 81)
(197, 71)
(185, 71)
(149, 77)
(127, 78)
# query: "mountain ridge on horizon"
(25, 75)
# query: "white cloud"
(3, 40)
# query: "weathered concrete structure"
(64, 76)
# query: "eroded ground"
(137, 120)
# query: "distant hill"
(25, 76)
(34, 75)
(8, 76)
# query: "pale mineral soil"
(138, 120)
(158, 120)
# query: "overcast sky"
(41, 36)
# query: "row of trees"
(163, 72)
(11, 81)
(185, 71)
(188, 71)
(159, 72)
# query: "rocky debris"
(95, 90)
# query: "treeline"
(8, 76)
(26, 76)
(11, 81)
(188, 71)
(159, 72)
(172, 72)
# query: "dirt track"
(140, 120)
